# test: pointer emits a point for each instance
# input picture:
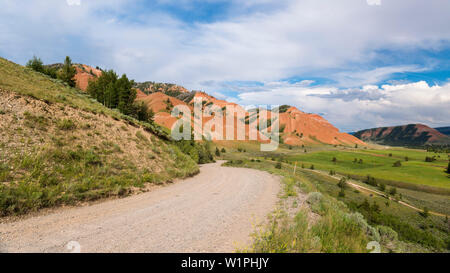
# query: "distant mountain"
(444, 130)
(169, 89)
(297, 128)
(404, 135)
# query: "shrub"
(278, 165)
(397, 164)
(382, 187)
(315, 200)
(33, 121)
(342, 193)
(217, 152)
(142, 112)
(393, 191)
(387, 234)
(36, 64)
(66, 125)
(426, 212)
(370, 180)
(362, 223)
(223, 150)
(430, 159)
(312, 167)
(342, 183)
(141, 136)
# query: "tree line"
(66, 73)
(118, 93)
(108, 89)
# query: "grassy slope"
(335, 230)
(378, 164)
(415, 233)
(58, 146)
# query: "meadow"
(399, 228)
(413, 172)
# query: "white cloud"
(73, 2)
(304, 36)
(369, 106)
(374, 2)
(337, 39)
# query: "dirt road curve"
(211, 212)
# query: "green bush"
(315, 200)
(387, 234)
(66, 124)
(397, 164)
(342, 183)
(199, 151)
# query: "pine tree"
(68, 72)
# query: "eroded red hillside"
(84, 74)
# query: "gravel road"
(214, 211)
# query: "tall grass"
(56, 176)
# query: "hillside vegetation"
(59, 146)
(322, 212)
(413, 173)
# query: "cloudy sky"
(359, 63)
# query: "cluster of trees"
(356, 161)
(118, 93)
(370, 180)
(66, 73)
(218, 152)
(430, 158)
(200, 152)
(438, 148)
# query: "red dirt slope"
(296, 126)
(302, 128)
(84, 74)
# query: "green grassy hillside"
(379, 164)
(397, 227)
(58, 146)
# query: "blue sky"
(359, 63)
